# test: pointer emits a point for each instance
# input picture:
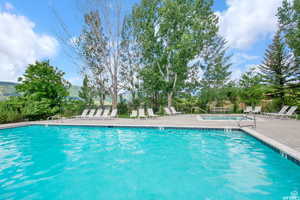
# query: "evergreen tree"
(278, 69)
(86, 92)
(216, 64)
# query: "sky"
(29, 31)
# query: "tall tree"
(171, 33)
(251, 87)
(130, 60)
(278, 69)
(44, 89)
(100, 45)
(289, 20)
(215, 64)
(86, 91)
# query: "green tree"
(130, 60)
(171, 33)
(251, 86)
(216, 64)
(43, 90)
(86, 92)
(289, 19)
(278, 69)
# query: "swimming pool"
(224, 117)
(68, 162)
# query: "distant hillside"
(8, 89)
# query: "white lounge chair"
(248, 109)
(83, 114)
(167, 111)
(281, 112)
(257, 110)
(174, 111)
(91, 113)
(113, 114)
(151, 113)
(142, 113)
(98, 113)
(289, 113)
(134, 114)
(106, 113)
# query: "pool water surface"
(65, 162)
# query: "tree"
(86, 91)
(289, 20)
(215, 65)
(99, 44)
(130, 60)
(278, 69)
(44, 90)
(171, 33)
(251, 87)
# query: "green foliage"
(171, 33)
(72, 107)
(289, 19)
(278, 69)
(252, 91)
(11, 111)
(43, 90)
(86, 92)
(215, 65)
(122, 106)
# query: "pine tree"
(216, 64)
(86, 92)
(278, 69)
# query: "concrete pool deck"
(282, 134)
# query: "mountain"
(8, 89)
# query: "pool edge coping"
(283, 149)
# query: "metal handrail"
(254, 125)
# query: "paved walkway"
(286, 132)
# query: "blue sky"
(29, 31)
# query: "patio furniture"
(220, 109)
(167, 111)
(91, 113)
(98, 113)
(174, 112)
(281, 112)
(151, 113)
(248, 110)
(106, 113)
(142, 114)
(257, 110)
(113, 114)
(289, 113)
(83, 114)
(134, 114)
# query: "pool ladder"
(253, 125)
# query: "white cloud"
(20, 45)
(247, 21)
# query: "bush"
(10, 111)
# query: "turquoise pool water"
(224, 118)
(39, 162)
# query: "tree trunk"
(170, 97)
(114, 100)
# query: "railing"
(247, 118)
